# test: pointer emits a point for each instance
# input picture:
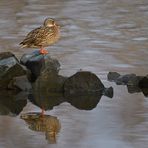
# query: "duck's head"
(49, 22)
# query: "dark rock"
(125, 79)
(128, 79)
(47, 83)
(20, 83)
(113, 76)
(143, 85)
(49, 80)
(134, 83)
(83, 90)
(108, 92)
(85, 82)
(44, 71)
(36, 63)
(9, 69)
(12, 103)
(120, 79)
(46, 88)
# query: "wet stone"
(125, 79)
(45, 79)
(134, 83)
(20, 83)
(121, 79)
(34, 62)
(9, 69)
(37, 63)
(5, 55)
(112, 76)
(143, 85)
(85, 82)
(49, 80)
(44, 72)
(83, 90)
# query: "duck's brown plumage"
(42, 36)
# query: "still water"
(96, 35)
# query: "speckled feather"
(41, 37)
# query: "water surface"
(99, 36)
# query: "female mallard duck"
(43, 36)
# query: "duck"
(43, 36)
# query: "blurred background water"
(99, 36)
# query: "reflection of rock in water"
(46, 99)
(48, 124)
(84, 102)
(134, 83)
(82, 90)
(12, 103)
(48, 86)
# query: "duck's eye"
(53, 23)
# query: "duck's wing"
(37, 37)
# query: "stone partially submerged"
(47, 88)
(134, 83)
(9, 69)
(45, 80)
(85, 82)
(143, 85)
(39, 64)
(51, 89)
(83, 90)
(45, 77)
(121, 79)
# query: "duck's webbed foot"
(43, 51)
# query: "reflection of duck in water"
(43, 36)
(48, 124)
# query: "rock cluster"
(38, 75)
(133, 82)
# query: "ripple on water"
(96, 35)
